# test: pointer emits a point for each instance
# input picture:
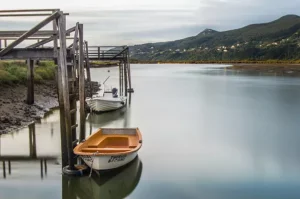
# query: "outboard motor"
(114, 92)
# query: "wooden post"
(45, 165)
(125, 76)
(63, 137)
(30, 141)
(120, 77)
(55, 43)
(30, 82)
(33, 140)
(88, 71)
(0, 43)
(4, 169)
(9, 167)
(73, 99)
(5, 43)
(81, 84)
(42, 170)
(128, 69)
(65, 87)
(98, 53)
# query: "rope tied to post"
(94, 154)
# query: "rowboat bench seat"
(131, 141)
(105, 150)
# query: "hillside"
(278, 39)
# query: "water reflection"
(9, 161)
(120, 117)
(115, 184)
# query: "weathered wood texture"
(65, 88)
(128, 69)
(81, 84)
(52, 38)
(27, 15)
(88, 71)
(18, 33)
(29, 33)
(30, 82)
(29, 10)
(31, 53)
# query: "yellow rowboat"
(110, 148)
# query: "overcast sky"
(127, 22)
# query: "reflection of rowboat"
(110, 148)
(118, 183)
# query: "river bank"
(268, 69)
(271, 67)
(15, 113)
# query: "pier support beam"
(64, 90)
(30, 82)
(125, 78)
(81, 84)
(88, 71)
(32, 141)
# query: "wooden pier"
(115, 53)
(72, 60)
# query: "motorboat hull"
(104, 105)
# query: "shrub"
(18, 71)
(7, 78)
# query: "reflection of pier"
(21, 158)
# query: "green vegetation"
(99, 64)
(15, 72)
(277, 40)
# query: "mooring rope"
(94, 154)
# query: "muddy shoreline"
(15, 113)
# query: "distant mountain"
(278, 39)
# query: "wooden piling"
(88, 71)
(55, 43)
(33, 140)
(42, 170)
(63, 137)
(73, 105)
(9, 167)
(30, 82)
(120, 77)
(81, 84)
(65, 88)
(128, 69)
(45, 165)
(125, 77)
(30, 141)
(4, 169)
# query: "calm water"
(207, 133)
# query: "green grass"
(15, 72)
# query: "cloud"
(118, 22)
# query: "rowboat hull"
(106, 104)
(110, 148)
(102, 163)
